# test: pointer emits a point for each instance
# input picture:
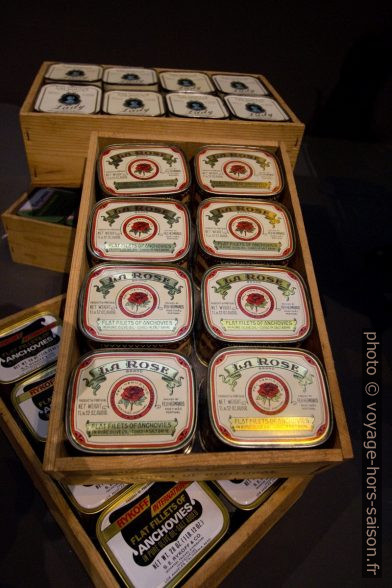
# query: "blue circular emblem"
(256, 108)
(133, 103)
(70, 99)
(130, 77)
(196, 105)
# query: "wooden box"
(36, 242)
(62, 463)
(214, 569)
(56, 144)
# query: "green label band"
(120, 429)
(117, 159)
(156, 247)
(258, 325)
(234, 184)
(224, 284)
(113, 214)
(146, 184)
(244, 246)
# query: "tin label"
(256, 108)
(196, 105)
(244, 229)
(245, 493)
(94, 497)
(239, 85)
(74, 72)
(156, 538)
(135, 76)
(186, 81)
(275, 397)
(30, 347)
(138, 402)
(145, 169)
(255, 305)
(69, 99)
(32, 400)
(140, 304)
(138, 231)
(133, 103)
(226, 170)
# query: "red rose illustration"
(132, 395)
(245, 227)
(255, 299)
(138, 298)
(237, 169)
(143, 168)
(269, 392)
(141, 227)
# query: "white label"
(246, 492)
(145, 169)
(268, 397)
(137, 402)
(93, 497)
(150, 230)
(244, 229)
(186, 81)
(133, 103)
(130, 76)
(248, 304)
(69, 99)
(240, 85)
(125, 303)
(256, 108)
(196, 105)
(74, 72)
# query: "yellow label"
(259, 325)
(272, 424)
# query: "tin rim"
(101, 268)
(137, 93)
(69, 87)
(245, 148)
(285, 118)
(71, 401)
(205, 77)
(265, 269)
(187, 568)
(243, 202)
(218, 101)
(152, 146)
(235, 77)
(94, 510)
(137, 200)
(286, 443)
(257, 502)
(107, 70)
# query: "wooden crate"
(56, 144)
(62, 463)
(38, 243)
(211, 573)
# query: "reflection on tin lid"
(143, 402)
(256, 108)
(260, 397)
(139, 230)
(72, 99)
(239, 84)
(248, 494)
(196, 105)
(155, 537)
(133, 103)
(74, 72)
(137, 76)
(255, 304)
(92, 498)
(186, 81)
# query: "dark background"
(332, 65)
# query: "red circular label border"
(273, 377)
(132, 379)
(233, 177)
(138, 287)
(253, 220)
(132, 163)
(140, 216)
(247, 312)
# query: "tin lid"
(133, 103)
(248, 494)
(131, 402)
(132, 170)
(139, 230)
(196, 105)
(255, 304)
(256, 108)
(29, 346)
(239, 85)
(260, 397)
(238, 228)
(32, 399)
(136, 304)
(136, 76)
(93, 498)
(186, 81)
(65, 99)
(74, 72)
(238, 171)
(155, 537)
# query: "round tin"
(90, 499)
(29, 346)
(68, 99)
(32, 399)
(222, 170)
(252, 305)
(130, 78)
(234, 229)
(156, 536)
(143, 169)
(131, 402)
(248, 494)
(196, 105)
(255, 108)
(133, 103)
(268, 398)
(139, 231)
(186, 81)
(239, 85)
(146, 304)
(74, 73)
